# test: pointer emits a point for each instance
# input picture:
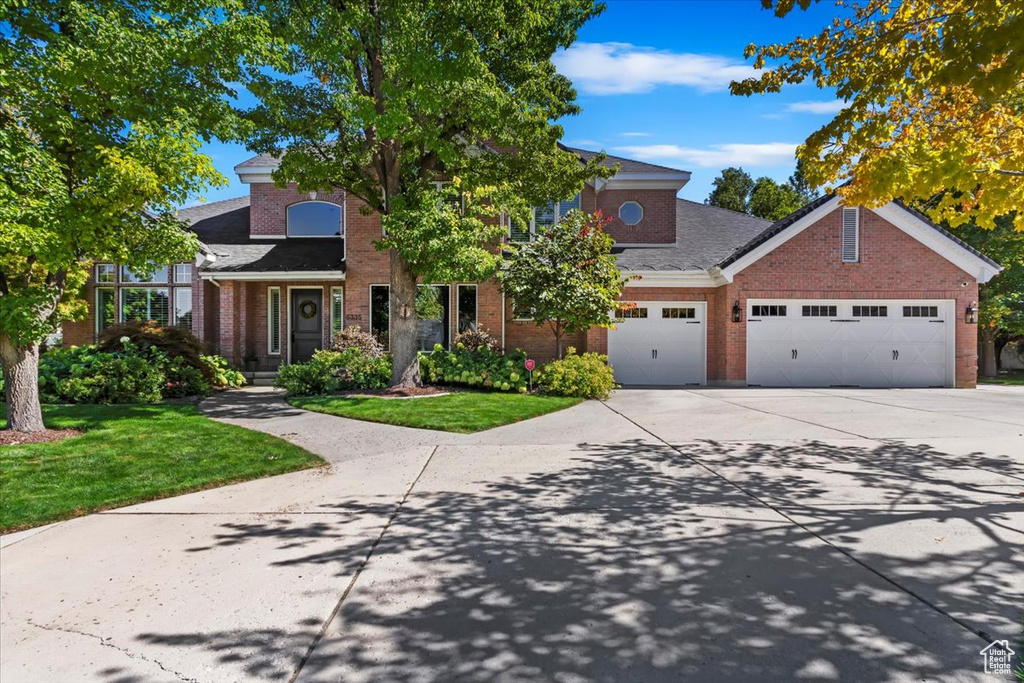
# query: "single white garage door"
(900, 343)
(659, 343)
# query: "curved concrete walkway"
(704, 535)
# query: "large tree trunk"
(21, 385)
(989, 364)
(405, 371)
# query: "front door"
(307, 321)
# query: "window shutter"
(850, 235)
(274, 320)
(337, 309)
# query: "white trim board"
(671, 278)
(312, 275)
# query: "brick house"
(829, 296)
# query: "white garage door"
(797, 343)
(659, 343)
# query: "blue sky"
(653, 80)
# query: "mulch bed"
(400, 392)
(11, 438)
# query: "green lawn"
(464, 412)
(1009, 377)
(130, 454)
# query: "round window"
(631, 213)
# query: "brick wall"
(659, 222)
(268, 206)
(892, 265)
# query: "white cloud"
(620, 68)
(816, 107)
(635, 135)
(583, 143)
(717, 156)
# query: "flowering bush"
(330, 371)
(87, 374)
(481, 368)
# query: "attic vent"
(851, 235)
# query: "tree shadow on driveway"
(634, 562)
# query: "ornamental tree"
(385, 99)
(102, 109)
(566, 278)
(934, 94)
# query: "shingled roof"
(704, 236)
(625, 165)
(223, 228)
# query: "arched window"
(315, 219)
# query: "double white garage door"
(793, 343)
(900, 343)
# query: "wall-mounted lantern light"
(737, 312)
(971, 315)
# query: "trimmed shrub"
(481, 368)
(176, 342)
(305, 379)
(223, 375)
(353, 337)
(85, 374)
(476, 339)
(586, 376)
(330, 371)
(112, 378)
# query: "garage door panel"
(664, 348)
(893, 350)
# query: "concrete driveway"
(715, 534)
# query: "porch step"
(260, 378)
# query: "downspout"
(502, 294)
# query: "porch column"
(229, 323)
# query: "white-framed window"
(183, 307)
(146, 303)
(274, 321)
(315, 219)
(157, 276)
(182, 273)
(631, 212)
(851, 235)
(106, 308)
(337, 309)
(106, 273)
(544, 216)
(466, 308)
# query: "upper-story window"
(544, 216)
(631, 213)
(157, 275)
(315, 219)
